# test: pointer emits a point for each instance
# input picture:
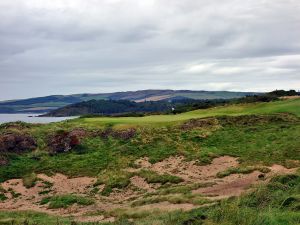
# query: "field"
(236, 164)
(291, 106)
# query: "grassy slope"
(258, 143)
(277, 140)
(291, 106)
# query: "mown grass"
(291, 106)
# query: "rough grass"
(30, 218)
(153, 177)
(271, 204)
(242, 170)
(64, 201)
(291, 106)
(274, 141)
(256, 140)
(113, 179)
(29, 180)
(174, 199)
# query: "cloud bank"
(76, 46)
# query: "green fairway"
(290, 106)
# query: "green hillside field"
(257, 134)
(290, 106)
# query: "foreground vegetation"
(259, 134)
(275, 203)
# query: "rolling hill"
(233, 164)
(48, 103)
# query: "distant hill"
(110, 107)
(49, 103)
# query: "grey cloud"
(67, 46)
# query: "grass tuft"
(64, 201)
(153, 177)
(242, 170)
(29, 180)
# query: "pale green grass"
(290, 106)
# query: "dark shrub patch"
(119, 134)
(202, 123)
(64, 141)
(16, 143)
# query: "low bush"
(153, 177)
(29, 180)
(64, 201)
(242, 170)
(113, 179)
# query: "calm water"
(30, 118)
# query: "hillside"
(48, 103)
(236, 164)
(127, 108)
(110, 107)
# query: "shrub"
(29, 180)
(153, 177)
(245, 170)
(113, 179)
(64, 201)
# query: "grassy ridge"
(256, 140)
(267, 140)
(291, 106)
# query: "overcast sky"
(93, 46)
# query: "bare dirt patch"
(64, 185)
(140, 182)
(22, 198)
(189, 170)
(233, 185)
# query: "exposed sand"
(189, 171)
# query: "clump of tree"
(94, 108)
(282, 93)
(191, 104)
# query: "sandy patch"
(140, 183)
(189, 170)
(62, 184)
(233, 185)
